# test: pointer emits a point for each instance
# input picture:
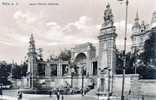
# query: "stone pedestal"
(105, 84)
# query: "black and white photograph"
(77, 49)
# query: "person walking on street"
(1, 92)
(50, 93)
(19, 95)
(58, 95)
(62, 97)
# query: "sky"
(60, 24)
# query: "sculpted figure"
(108, 16)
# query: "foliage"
(4, 73)
(129, 62)
(142, 60)
(18, 71)
(65, 55)
(119, 62)
(24, 69)
(148, 70)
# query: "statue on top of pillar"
(108, 16)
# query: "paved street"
(13, 93)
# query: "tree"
(4, 73)
(17, 72)
(24, 68)
(65, 55)
(130, 58)
(119, 62)
(146, 66)
(146, 72)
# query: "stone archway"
(81, 62)
(80, 58)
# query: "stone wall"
(146, 87)
(134, 86)
(63, 81)
(129, 81)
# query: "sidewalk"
(4, 97)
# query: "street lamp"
(125, 39)
(72, 74)
(83, 72)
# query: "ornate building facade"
(141, 32)
(85, 68)
(86, 64)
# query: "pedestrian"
(58, 95)
(19, 95)
(50, 93)
(62, 97)
(142, 97)
(129, 92)
(1, 92)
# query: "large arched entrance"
(81, 62)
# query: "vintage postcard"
(77, 49)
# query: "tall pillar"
(48, 70)
(107, 47)
(32, 61)
(59, 68)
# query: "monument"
(107, 57)
(32, 61)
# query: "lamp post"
(82, 81)
(72, 74)
(125, 39)
(82, 73)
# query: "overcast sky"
(56, 27)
